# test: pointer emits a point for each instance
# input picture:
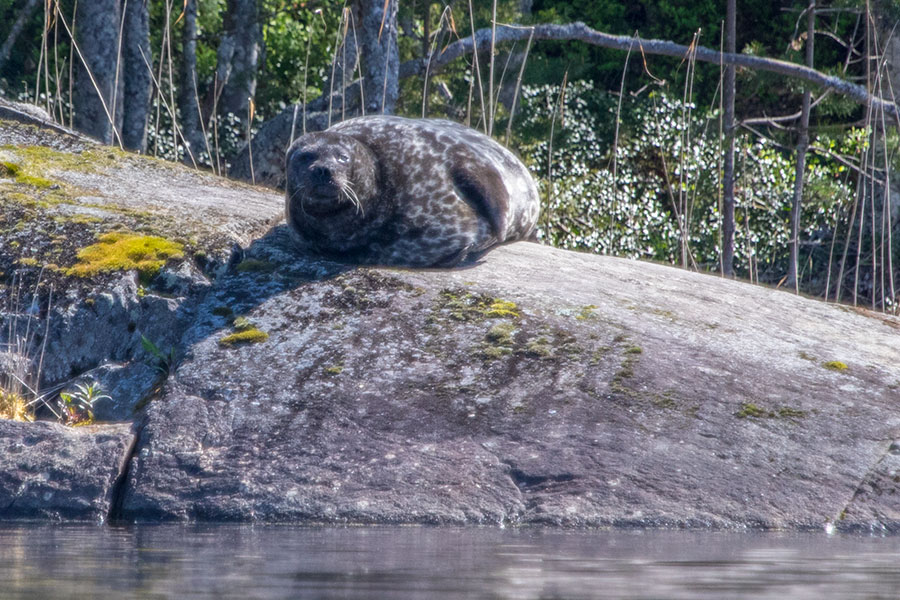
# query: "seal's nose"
(321, 174)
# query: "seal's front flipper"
(484, 190)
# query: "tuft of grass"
(248, 336)
(13, 407)
(124, 251)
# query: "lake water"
(46, 562)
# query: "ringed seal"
(396, 191)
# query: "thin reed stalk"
(615, 148)
(250, 110)
(437, 35)
(558, 109)
(512, 110)
(477, 67)
(490, 115)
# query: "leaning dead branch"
(581, 32)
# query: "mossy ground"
(465, 306)
(45, 223)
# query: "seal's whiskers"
(294, 196)
(348, 191)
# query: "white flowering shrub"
(664, 183)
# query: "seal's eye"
(305, 157)
(343, 158)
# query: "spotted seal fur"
(397, 191)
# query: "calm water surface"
(44, 562)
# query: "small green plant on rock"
(163, 361)
(78, 406)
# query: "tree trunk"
(135, 74)
(24, 14)
(378, 39)
(192, 124)
(728, 174)
(793, 277)
(94, 93)
(238, 57)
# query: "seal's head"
(331, 185)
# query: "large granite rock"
(538, 386)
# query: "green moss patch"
(222, 311)
(748, 409)
(835, 365)
(500, 309)
(587, 312)
(122, 251)
(248, 336)
(467, 307)
(334, 370)
(20, 175)
(539, 348)
(501, 334)
(753, 411)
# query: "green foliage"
(77, 405)
(163, 362)
(667, 179)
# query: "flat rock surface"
(540, 386)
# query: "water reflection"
(267, 562)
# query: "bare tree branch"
(581, 32)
